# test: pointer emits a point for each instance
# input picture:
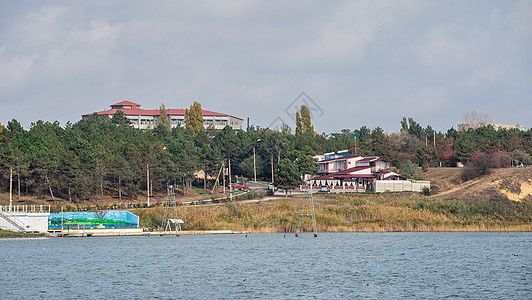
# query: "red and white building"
(149, 118)
(354, 172)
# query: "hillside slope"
(509, 183)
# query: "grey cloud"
(364, 62)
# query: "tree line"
(106, 156)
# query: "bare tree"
(476, 119)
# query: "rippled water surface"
(341, 265)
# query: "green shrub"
(411, 170)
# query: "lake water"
(332, 266)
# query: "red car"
(239, 186)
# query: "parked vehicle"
(271, 186)
(238, 186)
(325, 188)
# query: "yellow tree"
(163, 117)
(1, 133)
(303, 121)
(194, 118)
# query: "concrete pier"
(132, 232)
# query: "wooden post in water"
(62, 224)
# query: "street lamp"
(254, 162)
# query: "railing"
(25, 208)
(347, 188)
(8, 216)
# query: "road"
(262, 188)
(257, 187)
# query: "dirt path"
(459, 187)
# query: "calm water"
(363, 265)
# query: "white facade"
(468, 125)
(217, 122)
(22, 218)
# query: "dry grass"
(360, 213)
(502, 183)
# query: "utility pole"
(224, 172)
(272, 167)
(230, 183)
(434, 138)
(18, 183)
(148, 183)
(10, 187)
(254, 165)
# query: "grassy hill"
(513, 184)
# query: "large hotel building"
(149, 118)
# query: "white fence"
(381, 186)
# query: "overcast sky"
(358, 62)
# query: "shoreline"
(122, 233)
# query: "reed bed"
(354, 213)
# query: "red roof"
(369, 159)
(373, 159)
(384, 171)
(351, 170)
(339, 176)
(354, 176)
(125, 103)
(152, 112)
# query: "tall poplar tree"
(163, 117)
(303, 121)
(194, 118)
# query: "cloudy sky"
(357, 62)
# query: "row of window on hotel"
(178, 122)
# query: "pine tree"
(163, 117)
(287, 175)
(194, 118)
(120, 119)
